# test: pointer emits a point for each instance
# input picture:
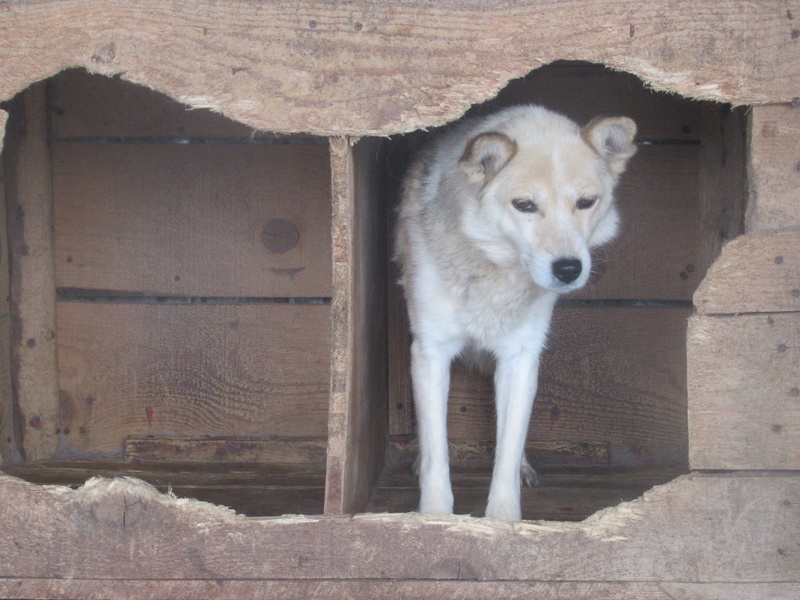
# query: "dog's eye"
(584, 203)
(524, 205)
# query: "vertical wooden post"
(357, 431)
(7, 446)
(33, 341)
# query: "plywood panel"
(191, 370)
(611, 375)
(758, 272)
(193, 220)
(773, 173)
(744, 391)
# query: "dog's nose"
(567, 270)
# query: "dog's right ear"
(484, 156)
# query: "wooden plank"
(359, 69)
(207, 449)
(8, 447)
(699, 528)
(759, 272)
(199, 369)
(744, 406)
(193, 220)
(608, 375)
(29, 190)
(88, 105)
(722, 193)
(772, 169)
(401, 590)
(358, 421)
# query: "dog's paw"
(504, 509)
(529, 476)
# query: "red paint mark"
(148, 412)
(35, 422)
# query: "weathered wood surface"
(192, 220)
(696, 529)
(357, 417)
(32, 290)
(399, 590)
(369, 67)
(209, 449)
(756, 273)
(8, 449)
(192, 370)
(744, 391)
(774, 167)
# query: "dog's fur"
(497, 219)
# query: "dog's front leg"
(430, 373)
(515, 387)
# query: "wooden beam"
(773, 167)
(759, 272)
(744, 391)
(700, 528)
(365, 67)
(29, 189)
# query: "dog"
(497, 218)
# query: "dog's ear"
(612, 138)
(484, 156)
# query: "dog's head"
(543, 191)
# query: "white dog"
(497, 219)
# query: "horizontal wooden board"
(773, 173)
(239, 370)
(193, 220)
(89, 105)
(744, 391)
(698, 527)
(208, 449)
(608, 375)
(759, 272)
(384, 68)
(411, 589)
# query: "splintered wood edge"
(662, 536)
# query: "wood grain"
(209, 449)
(400, 590)
(377, 68)
(189, 220)
(758, 272)
(751, 519)
(773, 174)
(190, 370)
(32, 287)
(358, 420)
(744, 403)
(610, 375)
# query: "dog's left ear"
(484, 156)
(612, 138)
